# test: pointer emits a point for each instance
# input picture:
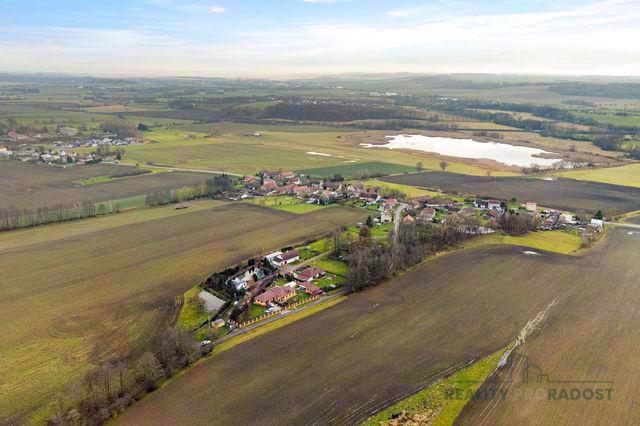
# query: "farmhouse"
(286, 258)
(531, 206)
(275, 294)
(309, 274)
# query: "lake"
(511, 155)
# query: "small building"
(309, 274)
(408, 220)
(568, 219)
(219, 323)
(598, 223)
(250, 180)
(531, 206)
(310, 289)
(286, 258)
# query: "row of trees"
(211, 187)
(15, 218)
(108, 389)
(372, 262)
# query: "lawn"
(188, 318)
(627, 175)
(333, 266)
(105, 286)
(256, 311)
(410, 191)
(286, 203)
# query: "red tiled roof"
(275, 293)
(310, 272)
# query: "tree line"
(108, 389)
(15, 218)
(372, 262)
(211, 187)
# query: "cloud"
(217, 10)
(599, 38)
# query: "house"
(427, 215)
(355, 187)
(248, 279)
(468, 211)
(598, 223)
(494, 204)
(285, 189)
(386, 216)
(568, 219)
(531, 206)
(408, 220)
(310, 289)
(286, 258)
(437, 202)
(4, 152)
(269, 185)
(369, 197)
(301, 191)
(309, 274)
(275, 294)
(391, 202)
(250, 180)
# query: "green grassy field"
(554, 241)
(286, 203)
(82, 292)
(628, 175)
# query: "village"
(282, 281)
(62, 153)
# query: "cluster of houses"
(313, 191)
(54, 156)
(276, 296)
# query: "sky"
(269, 38)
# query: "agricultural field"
(358, 170)
(590, 341)
(81, 292)
(25, 185)
(246, 154)
(628, 175)
(566, 194)
(394, 338)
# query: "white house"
(286, 258)
(531, 206)
(598, 223)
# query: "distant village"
(61, 153)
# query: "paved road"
(177, 169)
(401, 207)
(623, 225)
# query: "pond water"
(511, 155)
